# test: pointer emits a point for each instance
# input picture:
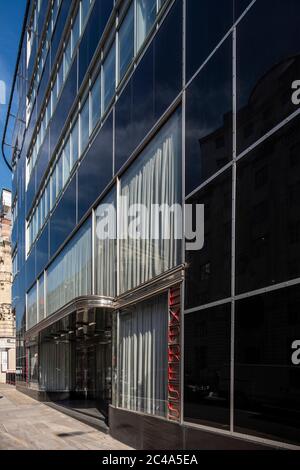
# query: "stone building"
(7, 320)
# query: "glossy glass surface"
(207, 23)
(209, 269)
(42, 250)
(168, 60)
(209, 119)
(268, 222)
(96, 102)
(207, 367)
(146, 15)
(264, 93)
(267, 372)
(84, 125)
(95, 171)
(109, 77)
(60, 24)
(63, 220)
(123, 127)
(126, 41)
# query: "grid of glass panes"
(132, 33)
(60, 174)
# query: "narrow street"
(26, 424)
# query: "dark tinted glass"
(267, 65)
(60, 24)
(30, 269)
(92, 34)
(208, 271)
(207, 366)
(207, 22)
(209, 118)
(143, 97)
(43, 159)
(240, 6)
(267, 371)
(168, 60)
(43, 84)
(63, 220)
(268, 219)
(95, 171)
(123, 125)
(63, 107)
(30, 193)
(42, 250)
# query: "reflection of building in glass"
(108, 112)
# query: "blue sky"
(11, 20)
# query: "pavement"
(26, 424)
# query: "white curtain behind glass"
(155, 178)
(142, 363)
(70, 274)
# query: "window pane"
(105, 247)
(85, 5)
(268, 223)
(207, 367)
(264, 93)
(67, 58)
(208, 276)
(66, 162)
(209, 119)
(109, 77)
(69, 276)
(84, 126)
(75, 143)
(143, 346)
(146, 15)
(59, 176)
(267, 374)
(53, 188)
(32, 307)
(75, 33)
(154, 178)
(96, 101)
(126, 42)
(41, 299)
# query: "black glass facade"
(200, 111)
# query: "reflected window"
(96, 102)
(109, 77)
(32, 307)
(126, 42)
(75, 143)
(146, 15)
(84, 126)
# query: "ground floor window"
(142, 360)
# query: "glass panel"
(207, 23)
(208, 276)
(267, 65)
(75, 143)
(207, 367)
(126, 41)
(69, 276)
(209, 119)
(109, 77)
(84, 126)
(143, 347)
(75, 33)
(41, 298)
(85, 6)
(67, 58)
(32, 307)
(146, 15)
(66, 162)
(96, 101)
(154, 178)
(105, 246)
(53, 188)
(268, 221)
(267, 373)
(59, 176)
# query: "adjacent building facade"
(7, 317)
(161, 102)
